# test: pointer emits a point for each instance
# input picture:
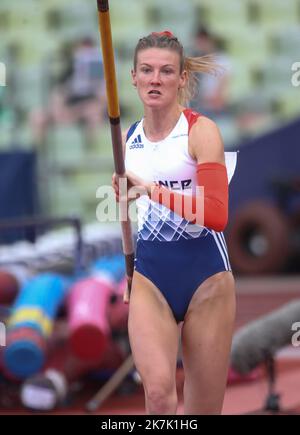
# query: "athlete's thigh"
(153, 331)
(208, 325)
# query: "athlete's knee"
(161, 397)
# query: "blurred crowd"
(77, 93)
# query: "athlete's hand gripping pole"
(116, 135)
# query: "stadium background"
(261, 38)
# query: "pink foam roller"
(88, 325)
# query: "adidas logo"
(136, 143)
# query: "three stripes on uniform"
(137, 143)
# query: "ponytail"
(193, 66)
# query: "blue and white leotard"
(174, 254)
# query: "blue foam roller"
(24, 354)
(112, 266)
(38, 302)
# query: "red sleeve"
(213, 178)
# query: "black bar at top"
(102, 5)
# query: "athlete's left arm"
(206, 147)
(205, 142)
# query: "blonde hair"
(192, 65)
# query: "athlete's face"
(157, 76)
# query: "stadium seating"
(261, 39)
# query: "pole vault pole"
(116, 135)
